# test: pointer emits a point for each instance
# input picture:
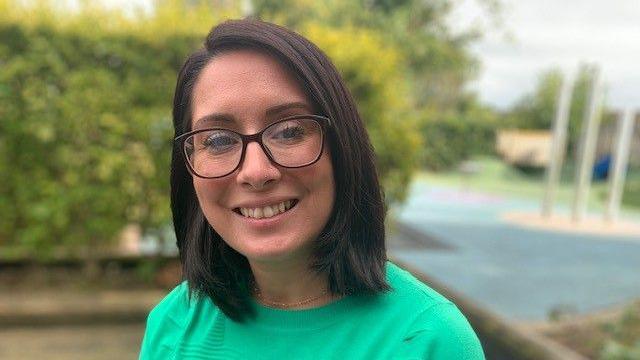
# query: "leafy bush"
(84, 123)
(623, 342)
(86, 132)
(616, 351)
(454, 137)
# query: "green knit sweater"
(410, 322)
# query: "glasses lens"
(213, 153)
(295, 142)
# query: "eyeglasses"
(292, 142)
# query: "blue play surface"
(518, 273)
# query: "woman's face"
(246, 91)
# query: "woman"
(280, 218)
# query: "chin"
(272, 250)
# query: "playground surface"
(593, 225)
(519, 272)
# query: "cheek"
(201, 190)
(210, 193)
(322, 186)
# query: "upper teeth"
(267, 211)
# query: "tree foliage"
(436, 60)
(537, 110)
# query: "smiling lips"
(267, 211)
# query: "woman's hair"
(351, 248)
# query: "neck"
(289, 285)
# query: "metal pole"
(587, 147)
(558, 145)
(620, 161)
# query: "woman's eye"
(219, 142)
(289, 133)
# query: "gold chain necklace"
(287, 305)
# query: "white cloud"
(557, 33)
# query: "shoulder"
(437, 330)
(408, 288)
(172, 308)
(166, 323)
(441, 332)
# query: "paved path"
(519, 273)
(94, 342)
(73, 324)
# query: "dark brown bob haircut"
(351, 247)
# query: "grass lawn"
(497, 177)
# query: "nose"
(257, 171)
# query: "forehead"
(243, 84)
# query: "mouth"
(267, 211)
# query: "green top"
(412, 321)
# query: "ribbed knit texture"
(410, 322)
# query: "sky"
(537, 35)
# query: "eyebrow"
(270, 112)
(282, 107)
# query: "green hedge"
(85, 134)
